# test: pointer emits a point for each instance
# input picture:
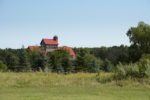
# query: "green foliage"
(3, 56)
(9, 58)
(140, 41)
(137, 70)
(24, 64)
(140, 35)
(94, 66)
(12, 61)
(3, 67)
(67, 64)
(146, 56)
(114, 54)
(40, 62)
(86, 62)
(60, 61)
(107, 66)
(55, 60)
(32, 56)
(147, 72)
(66, 61)
(124, 71)
(144, 65)
(82, 60)
(88, 59)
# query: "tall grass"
(41, 79)
(35, 79)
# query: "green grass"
(81, 86)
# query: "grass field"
(81, 86)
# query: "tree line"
(57, 61)
(88, 59)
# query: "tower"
(55, 38)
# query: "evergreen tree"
(23, 60)
(40, 62)
(32, 56)
(86, 62)
(61, 61)
(54, 58)
(12, 61)
(67, 64)
(94, 66)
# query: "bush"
(3, 67)
(147, 72)
(124, 71)
(138, 70)
(144, 65)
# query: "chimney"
(55, 38)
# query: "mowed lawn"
(76, 93)
(20, 87)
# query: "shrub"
(130, 70)
(3, 67)
(144, 65)
(138, 70)
(147, 72)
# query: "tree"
(60, 61)
(81, 60)
(107, 66)
(23, 60)
(94, 65)
(115, 54)
(140, 41)
(11, 60)
(66, 61)
(86, 62)
(67, 64)
(3, 67)
(3, 56)
(101, 52)
(32, 56)
(54, 58)
(40, 62)
(144, 65)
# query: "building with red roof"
(50, 45)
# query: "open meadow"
(81, 86)
(74, 50)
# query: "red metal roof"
(50, 41)
(34, 47)
(70, 50)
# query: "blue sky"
(78, 23)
